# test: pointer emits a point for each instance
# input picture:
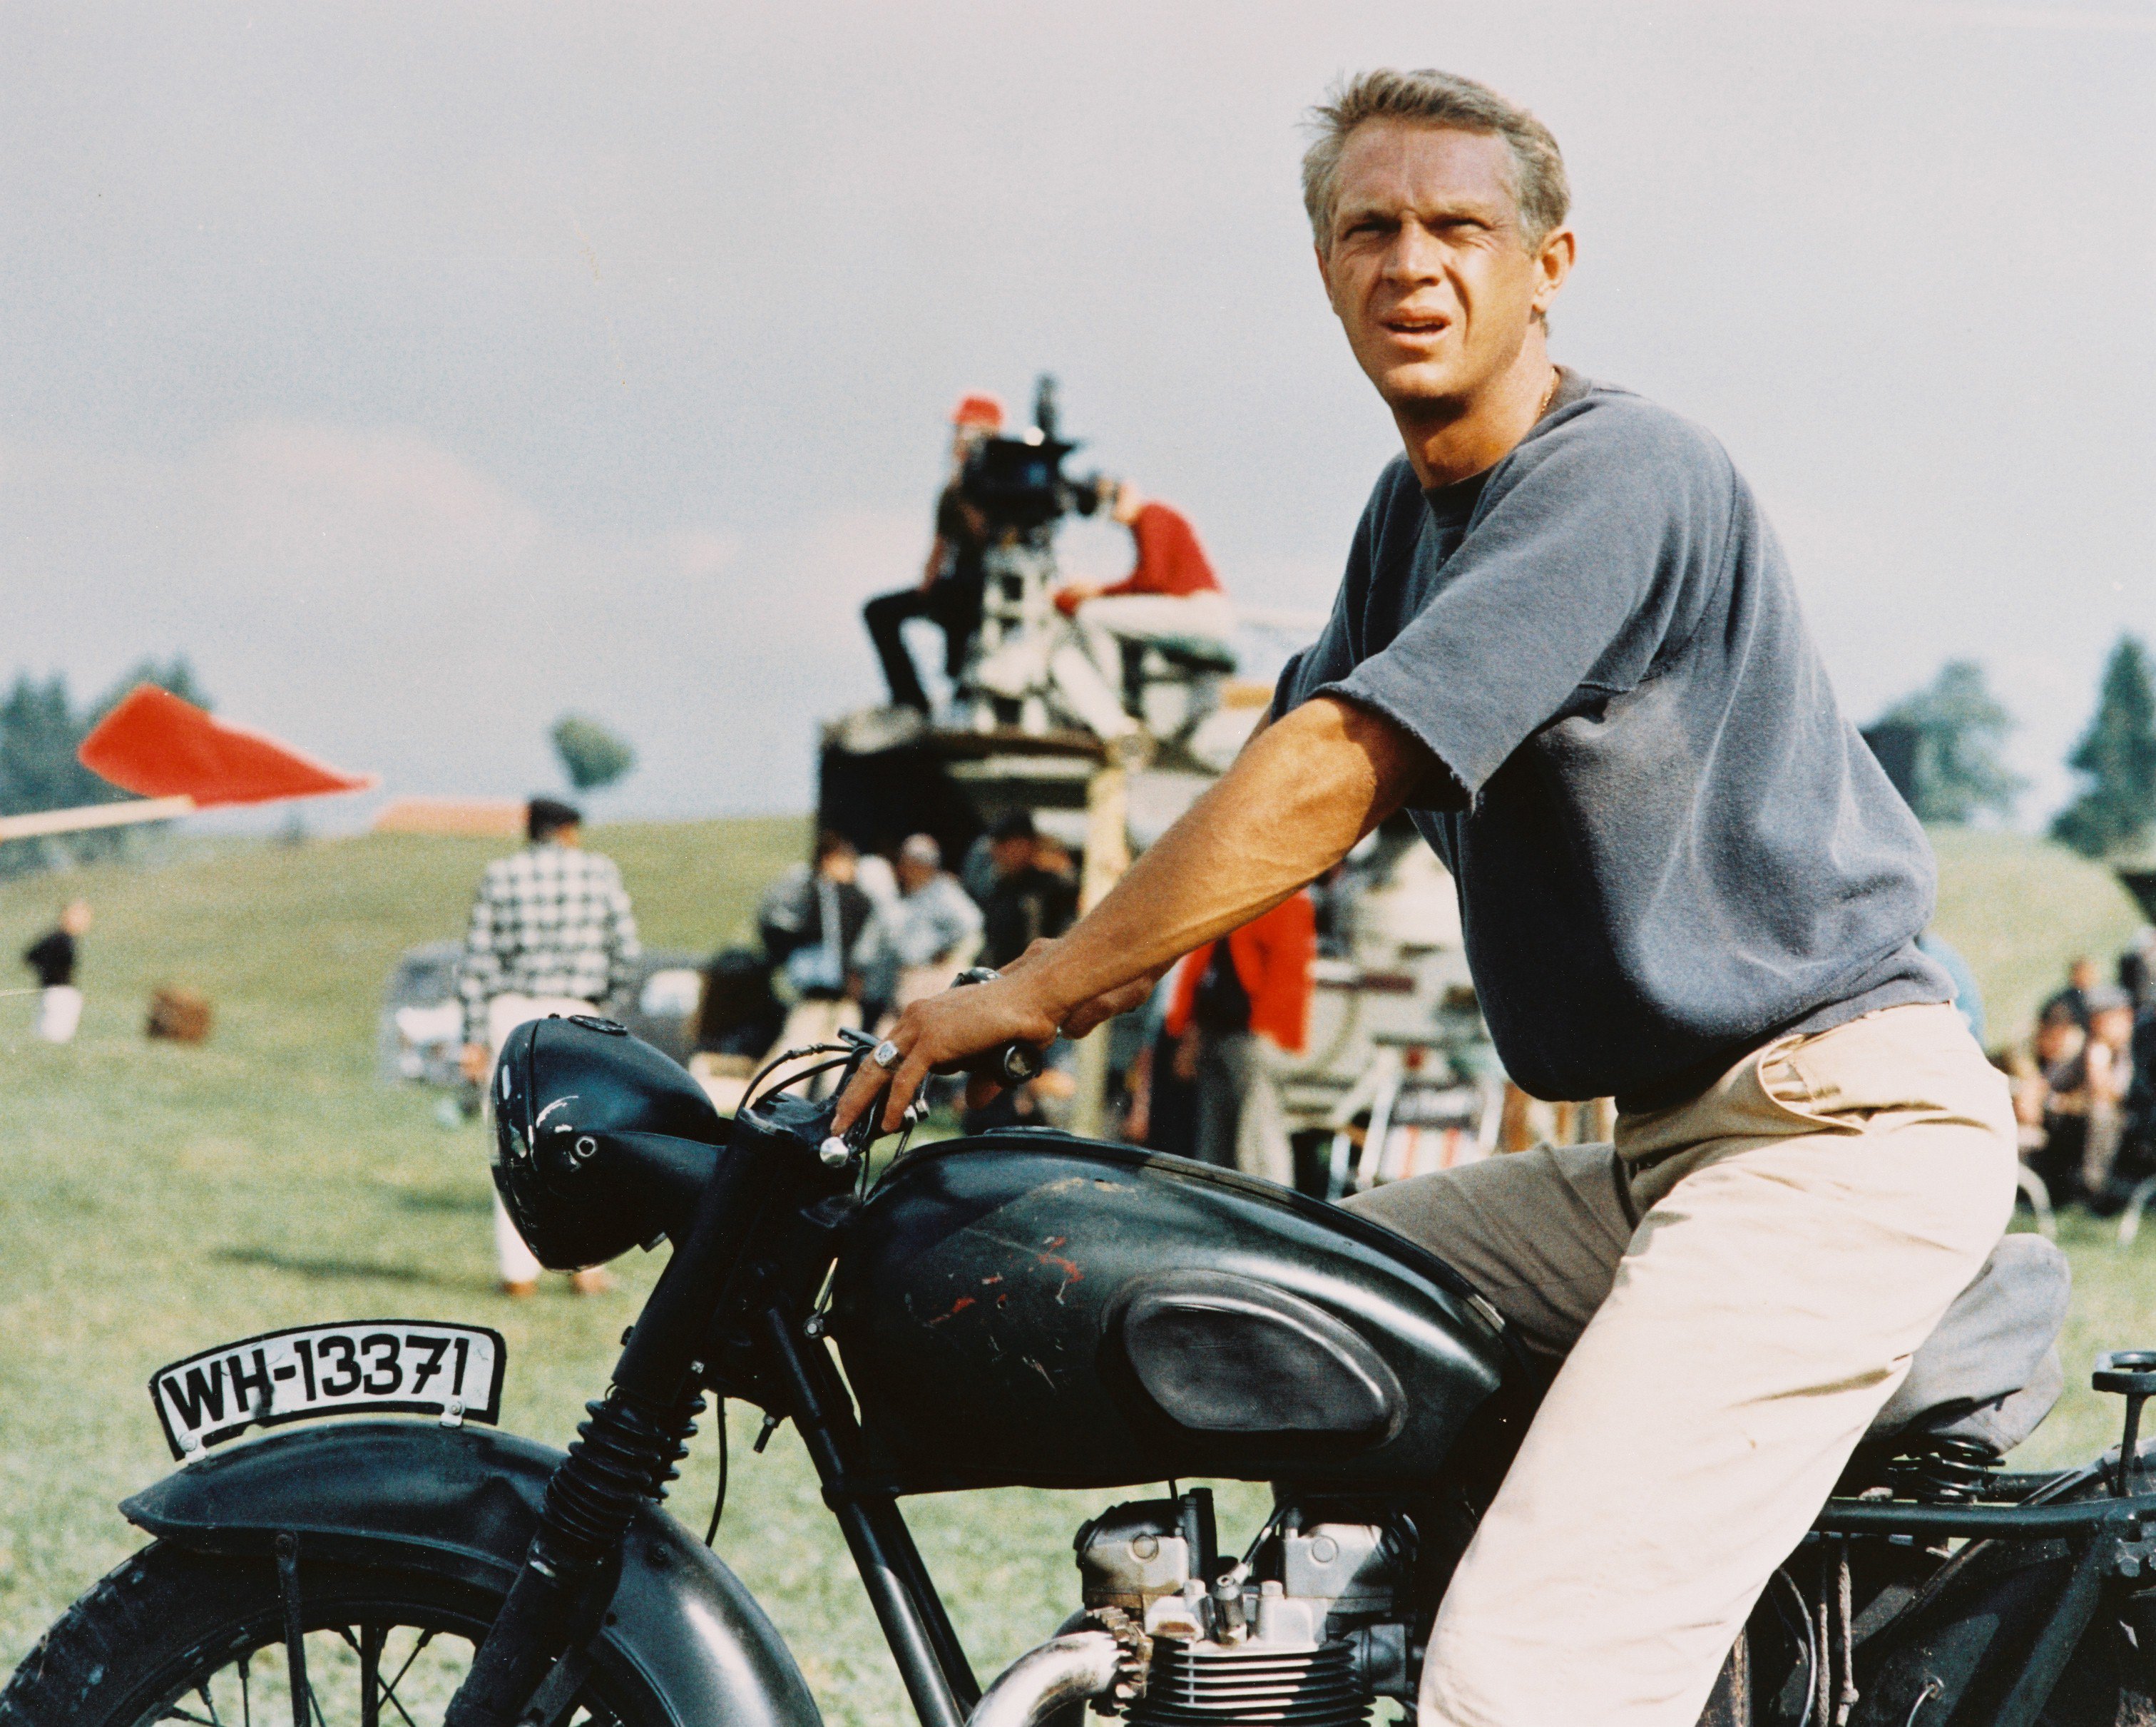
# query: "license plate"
(367, 1366)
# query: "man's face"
(913, 875)
(1426, 264)
(1010, 856)
(75, 918)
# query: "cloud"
(380, 601)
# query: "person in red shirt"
(1241, 1006)
(1170, 594)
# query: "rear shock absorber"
(624, 1454)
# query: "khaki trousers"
(1735, 1290)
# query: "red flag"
(156, 745)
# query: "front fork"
(626, 1452)
(623, 1454)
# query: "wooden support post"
(1107, 856)
(41, 822)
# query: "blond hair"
(1435, 99)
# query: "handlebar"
(1010, 1063)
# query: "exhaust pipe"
(1062, 1671)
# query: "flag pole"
(41, 822)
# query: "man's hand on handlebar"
(942, 1033)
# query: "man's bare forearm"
(1300, 794)
(1297, 800)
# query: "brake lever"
(836, 1150)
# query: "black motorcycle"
(1023, 1308)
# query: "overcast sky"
(422, 371)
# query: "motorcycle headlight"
(602, 1143)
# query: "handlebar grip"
(1008, 1064)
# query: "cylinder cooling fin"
(1201, 1685)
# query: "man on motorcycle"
(1568, 644)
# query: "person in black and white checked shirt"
(551, 932)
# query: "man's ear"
(1553, 263)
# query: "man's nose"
(1414, 254)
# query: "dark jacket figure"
(949, 591)
(52, 957)
(812, 920)
(738, 1015)
(1027, 902)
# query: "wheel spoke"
(389, 1691)
(379, 1646)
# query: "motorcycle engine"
(1308, 1635)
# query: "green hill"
(162, 1199)
(2019, 910)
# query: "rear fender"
(466, 1501)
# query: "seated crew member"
(949, 590)
(1170, 595)
(928, 931)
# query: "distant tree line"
(2115, 814)
(1955, 771)
(40, 730)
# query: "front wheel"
(175, 1636)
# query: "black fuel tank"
(1029, 1308)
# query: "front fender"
(466, 1501)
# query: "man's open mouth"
(1413, 328)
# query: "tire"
(176, 1635)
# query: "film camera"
(1018, 485)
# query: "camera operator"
(949, 590)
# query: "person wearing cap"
(949, 591)
(929, 932)
(551, 932)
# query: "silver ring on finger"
(886, 1055)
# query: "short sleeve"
(1566, 579)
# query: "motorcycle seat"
(1990, 1370)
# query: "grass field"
(158, 1199)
